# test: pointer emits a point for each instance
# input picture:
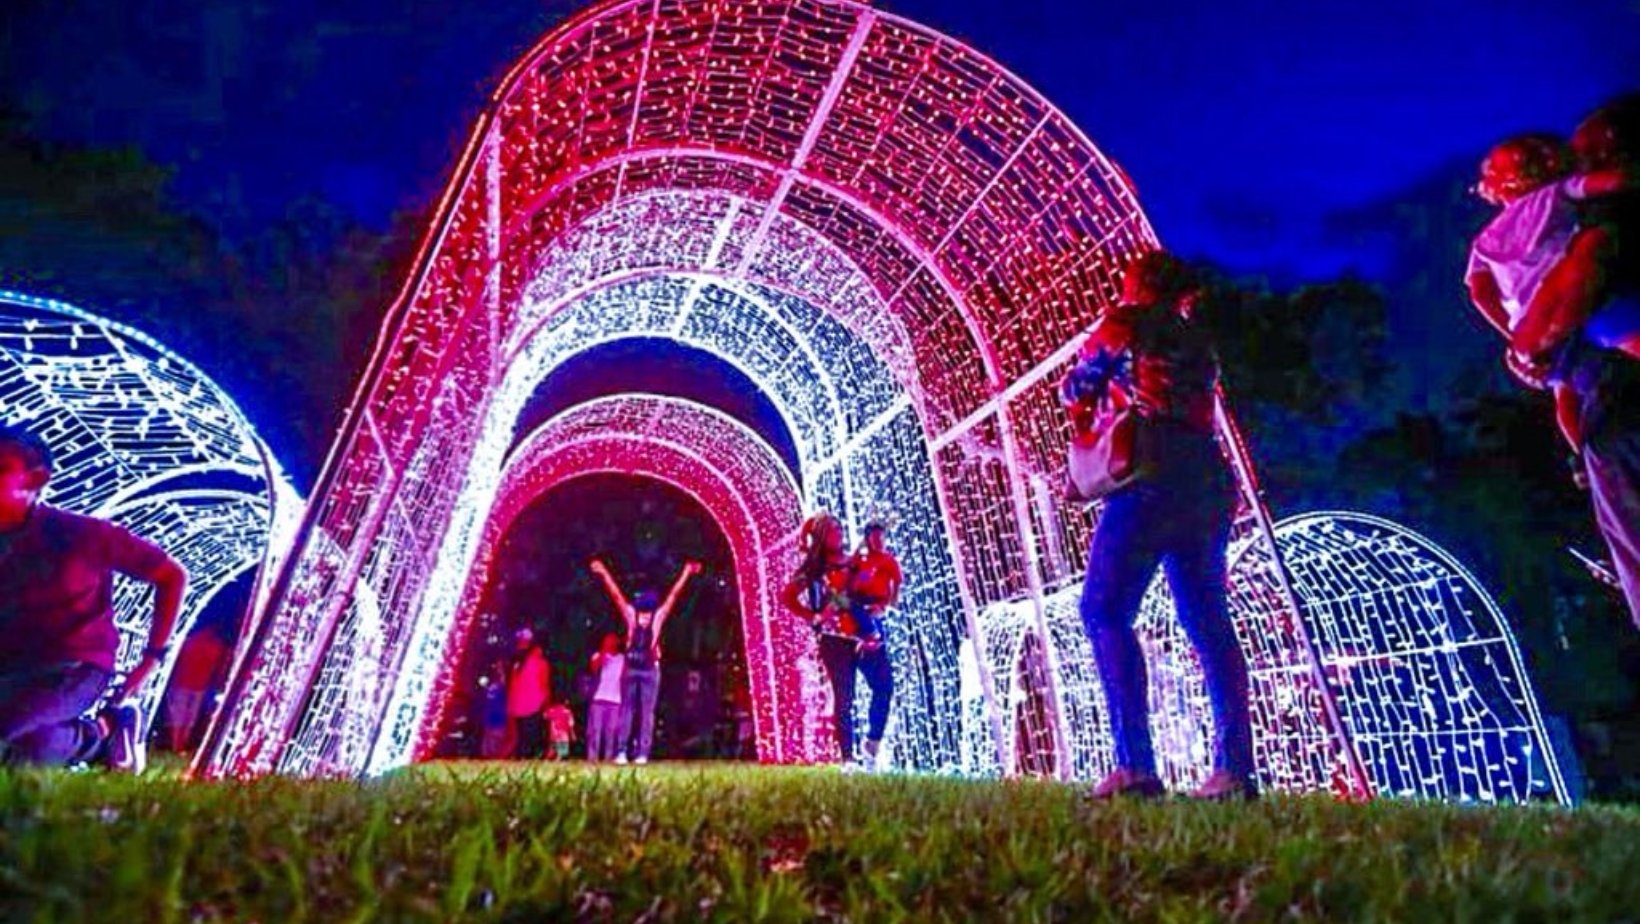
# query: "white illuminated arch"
(143, 438)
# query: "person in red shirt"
(874, 585)
(57, 633)
(529, 684)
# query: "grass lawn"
(736, 843)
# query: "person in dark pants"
(1176, 516)
(57, 635)
(529, 685)
(820, 594)
(645, 617)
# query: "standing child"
(604, 715)
(560, 731)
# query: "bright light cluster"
(896, 240)
(144, 439)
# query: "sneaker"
(1224, 786)
(127, 749)
(620, 759)
(1124, 783)
(641, 760)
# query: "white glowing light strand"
(143, 438)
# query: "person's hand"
(691, 567)
(598, 567)
(1528, 370)
(134, 680)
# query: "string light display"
(142, 438)
(896, 240)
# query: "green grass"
(736, 843)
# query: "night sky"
(1249, 127)
(1293, 142)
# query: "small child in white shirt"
(1516, 253)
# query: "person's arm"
(690, 569)
(1597, 183)
(1487, 298)
(895, 579)
(622, 604)
(791, 597)
(1568, 296)
(170, 583)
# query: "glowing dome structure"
(898, 241)
(143, 438)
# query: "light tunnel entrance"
(899, 244)
(644, 528)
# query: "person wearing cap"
(58, 640)
(528, 682)
(645, 617)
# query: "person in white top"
(645, 619)
(1513, 256)
(604, 715)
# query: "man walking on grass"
(57, 634)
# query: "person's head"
(1609, 138)
(611, 643)
(1157, 277)
(523, 639)
(1517, 166)
(646, 602)
(822, 535)
(25, 468)
(876, 536)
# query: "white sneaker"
(620, 759)
(127, 747)
(641, 761)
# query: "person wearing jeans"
(1177, 516)
(645, 619)
(604, 719)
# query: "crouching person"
(57, 634)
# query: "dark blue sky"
(1246, 125)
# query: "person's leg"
(629, 709)
(649, 688)
(181, 712)
(532, 737)
(1612, 461)
(42, 715)
(1122, 559)
(595, 731)
(838, 655)
(879, 674)
(1196, 574)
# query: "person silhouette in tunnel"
(645, 618)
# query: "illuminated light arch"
(950, 223)
(145, 439)
(726, 468)
(1426, 671)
